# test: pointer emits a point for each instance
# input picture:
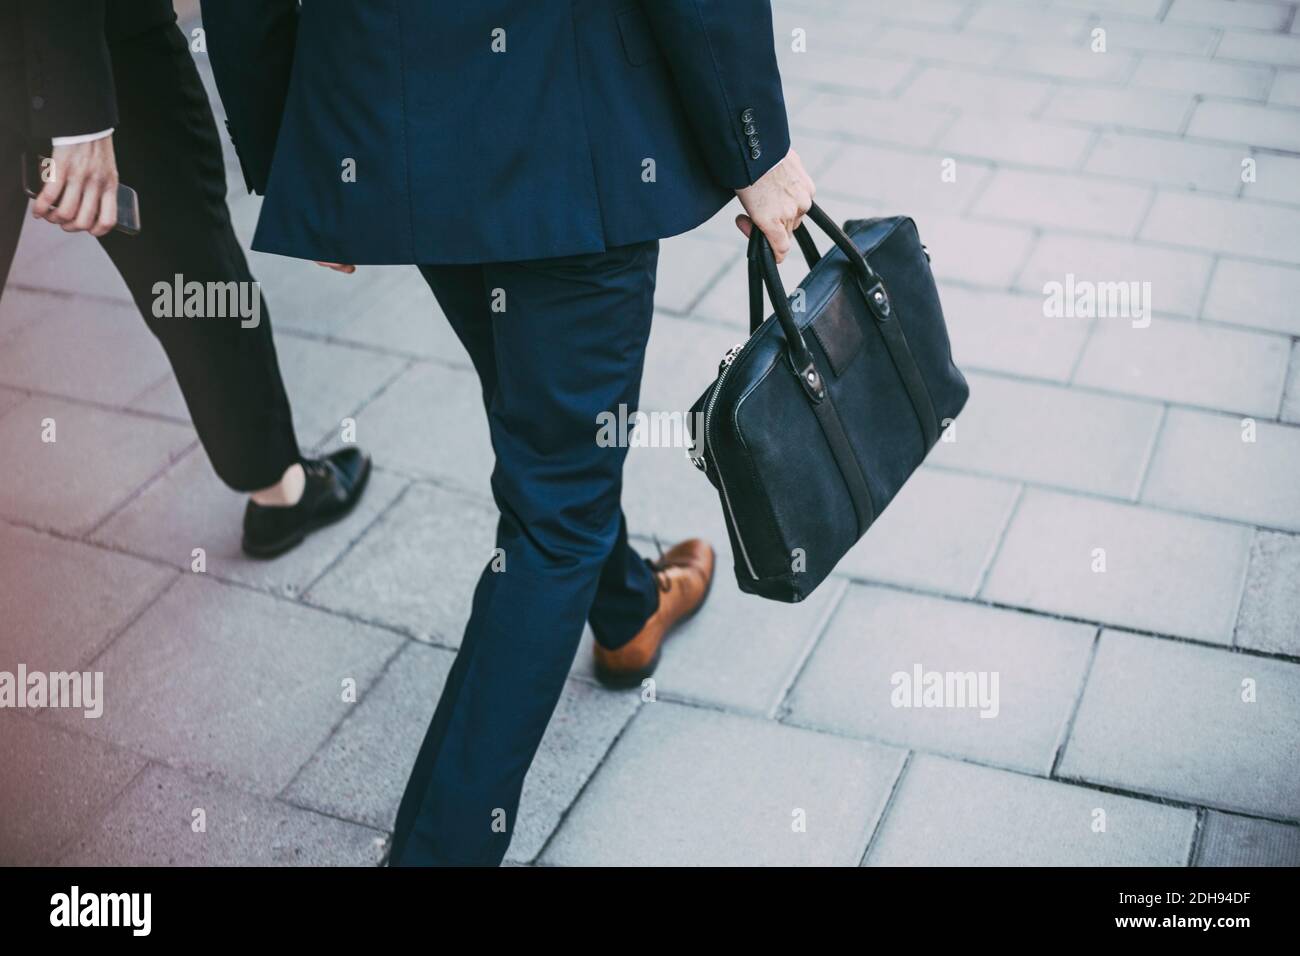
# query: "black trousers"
(568, 345)
(168, 150)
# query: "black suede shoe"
(334, 486)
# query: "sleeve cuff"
(83, 138)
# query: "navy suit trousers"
(555, 342)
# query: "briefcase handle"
(763, 271)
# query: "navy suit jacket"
(493, 130)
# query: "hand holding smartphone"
(128, 203)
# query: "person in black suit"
(528, 157)
(107, 89)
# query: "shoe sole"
(624, 680)
(284, 545)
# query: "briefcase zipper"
(728, 357)
(728, 360)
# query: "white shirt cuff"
(83, 138)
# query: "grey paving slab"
(431, 423)
(1169, 162)
(1051, 435)
(902, 179)
(1138, 110)
(839, 70)
(1068, 62)
(1169, 573)
(1269, 619)
(8, 399)
(167, 818)
(1177, 277)
(415, 569)
(20, 307)
(327, 383)
(413, 326)
(61, 601)
(1209, 77)
(1026, 20)
(360, 772)
(682, 359)
(1015, 677)
(46, 255)
(665, 495)
(97, 460)
(1255, 294)
(1222, 13)
(1191, 363)
(886, 121)
(584, 725)
(1063, 201)
(1277, 177)
(935, 13)
(1230, 840)
(1200, 724)
(1291, 398)
(696, 787)
(396, 312)
(944, 46)
(86, 349)
(55, 784)
(727, 300)
(306, 297)
(1256, 47)
(737, 652)
(1237, 227)
(1286, 89)
(38, 242)
(1134, 9)
(217, 679)
(947, 813)
(1190, 39)
(1252, 125)
(1012, 139)
(977, 92)
(1251, 481)
(162, 398)
(980, 253)
(824, 33)
(722, 225)
(688, 265)
(189, 508)
(1008, 332)
(939, 533)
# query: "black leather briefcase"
(817, 420)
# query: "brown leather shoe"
(684, 573)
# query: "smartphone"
(128, 203)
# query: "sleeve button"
(747, 116)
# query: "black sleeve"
(723, 59)
(69, 72)
(250, 47)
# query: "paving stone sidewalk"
(1114, 535)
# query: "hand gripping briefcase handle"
(763, 271)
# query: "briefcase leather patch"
(838, 332)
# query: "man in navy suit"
(527, 156)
